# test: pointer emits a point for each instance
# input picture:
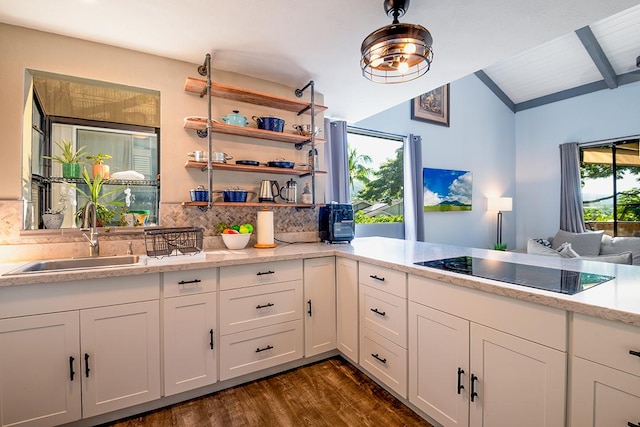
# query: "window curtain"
(336, 161)
(413, 193)
(571, 214)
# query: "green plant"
(67, 153)
(99, 158)
(94, 194)
(500, 246)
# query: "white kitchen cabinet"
(120, 356)
(40, 378)
(190, 342)
(385, 360)
(347, 307)
(384, 313)
(605, 377)
(465, 373)
(320, 305)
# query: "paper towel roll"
(265, 227)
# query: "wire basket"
(173, 241)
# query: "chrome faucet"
(94, 245)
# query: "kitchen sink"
(53, 265)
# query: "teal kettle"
(235, 119)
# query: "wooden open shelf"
(249, 204)
(219, 90)
(244, 168)
(201, 124)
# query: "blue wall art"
(446, 190)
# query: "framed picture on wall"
(432, 106)
(447, 190)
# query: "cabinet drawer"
(384, 314)
(394, 282)
(258, 306)
(188, 282)
(385, 360)
(607, 342)
(239, 276)
(261, 348)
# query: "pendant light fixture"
(398, 52)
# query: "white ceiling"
(564, 63)
(292, 41)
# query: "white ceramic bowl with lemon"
(238, 238)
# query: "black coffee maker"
(336, 224)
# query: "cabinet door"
(190, 342)
(603, 396)
(519, 382)
(439, 365)
(347, 307)
(120, 356)
(320, 305)
(40, 370)
(384, 314)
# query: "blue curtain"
(571, 214)
(336, 161)
(413, 192)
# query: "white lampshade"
(502, 204)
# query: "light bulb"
(403, 67)
(409, 48)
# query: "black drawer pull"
(262, 273)
(186, 282)
(381, 313)
(258, 307)
(634, 353)
(460, 386)
(269, 347)
(376, 356)
(211, 338)
(309, 311)
(86, 365)
(373, 276)
(630, 424)
(474, 378)
(71, 371)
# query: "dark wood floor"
(328, 393)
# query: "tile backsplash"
(290, 225)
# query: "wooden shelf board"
(244, 168)
(219, 90)
(198, 124)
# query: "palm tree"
(358, 171)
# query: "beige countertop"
(618, 299)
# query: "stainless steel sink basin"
(54, 265)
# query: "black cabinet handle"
(186, 282)
(71, 371)
(86, 365)
(211, 338)
(309, 311)
(269, 347)
(473, 386)
(634, 353)
(381, 313)
(262, 273)
(376, 356)
(460, 386)
(630, 424)
(373, 276)
(258, 307)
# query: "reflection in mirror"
(76, 152)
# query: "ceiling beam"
(598, 56)
(559, 96)
(496, 90)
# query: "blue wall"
(539, 132)
(480, 139)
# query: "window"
(376, 181)
(610, 187)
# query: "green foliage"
(105, 216)
(67, 153)
(387, 185)
(358, 169)
(361, 218)
(99, 158)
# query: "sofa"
(591, 245)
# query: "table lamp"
(500, 204)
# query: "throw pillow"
(586, 244)
(536, 248)
(621, 258)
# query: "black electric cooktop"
(550, 279)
